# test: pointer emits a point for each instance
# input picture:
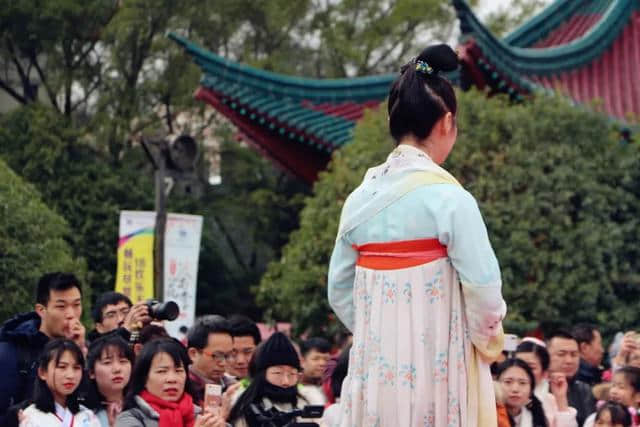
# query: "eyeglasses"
(289, 375)
(113, 314)
(220, 357)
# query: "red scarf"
(178, 414)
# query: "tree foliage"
(52, 44)
(363, 37)
(33, 241)
(559, 196)
(510, 16)
(79, 182)
(76, 181)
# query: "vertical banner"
(181, 253)
(135, 255)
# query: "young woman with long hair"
(55, 396)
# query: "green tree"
(76, 181)
(54, 45)
(33, 241)
(359, 37)
(511, 16)
(559, 196)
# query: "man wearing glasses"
(210, 348)
(113, 311)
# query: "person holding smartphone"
(159, 394)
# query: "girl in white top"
(55, 396)
(551, 389)
(517, 384)
(109, 361)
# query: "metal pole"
(161, 223)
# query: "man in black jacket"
(57, 310)
(565, 357)
(591, 352)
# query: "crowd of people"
(129, 372)
(561, 381)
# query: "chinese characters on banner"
(181, 252)
(182, 249)
(135, 255)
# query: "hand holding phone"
(212, 398)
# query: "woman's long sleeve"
(462, 230)
(340, 281)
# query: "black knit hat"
(277, 350)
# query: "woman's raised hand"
(209, 419)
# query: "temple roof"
(586, 49)
(296, 121)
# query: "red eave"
(613, 78)
(299, 159)
(349, 110)
(571, 30)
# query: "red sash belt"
(397, 255)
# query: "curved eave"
(303, 160)
(542, 24)
(546, 61)
(336, 90)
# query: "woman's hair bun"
(440, 57)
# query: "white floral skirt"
(410, 343)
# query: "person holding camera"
(273, 397)
(114, 311)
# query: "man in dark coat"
(591, 353)
(565, 357)
(58, 308)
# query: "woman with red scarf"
(159, 390)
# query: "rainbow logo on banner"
(135, 265)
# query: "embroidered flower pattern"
(389, 291)
(430, 418)
(406, 291)
(387, 374)
(434, 289)
(441, 367)
(453, 412)
(408, 375)
(420, 365)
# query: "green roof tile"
(336, 90)
(516, 60)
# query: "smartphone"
(212, 398)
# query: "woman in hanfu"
(413, 274)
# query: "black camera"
(272, 417)
(167, 310)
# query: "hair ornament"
(424, 68)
